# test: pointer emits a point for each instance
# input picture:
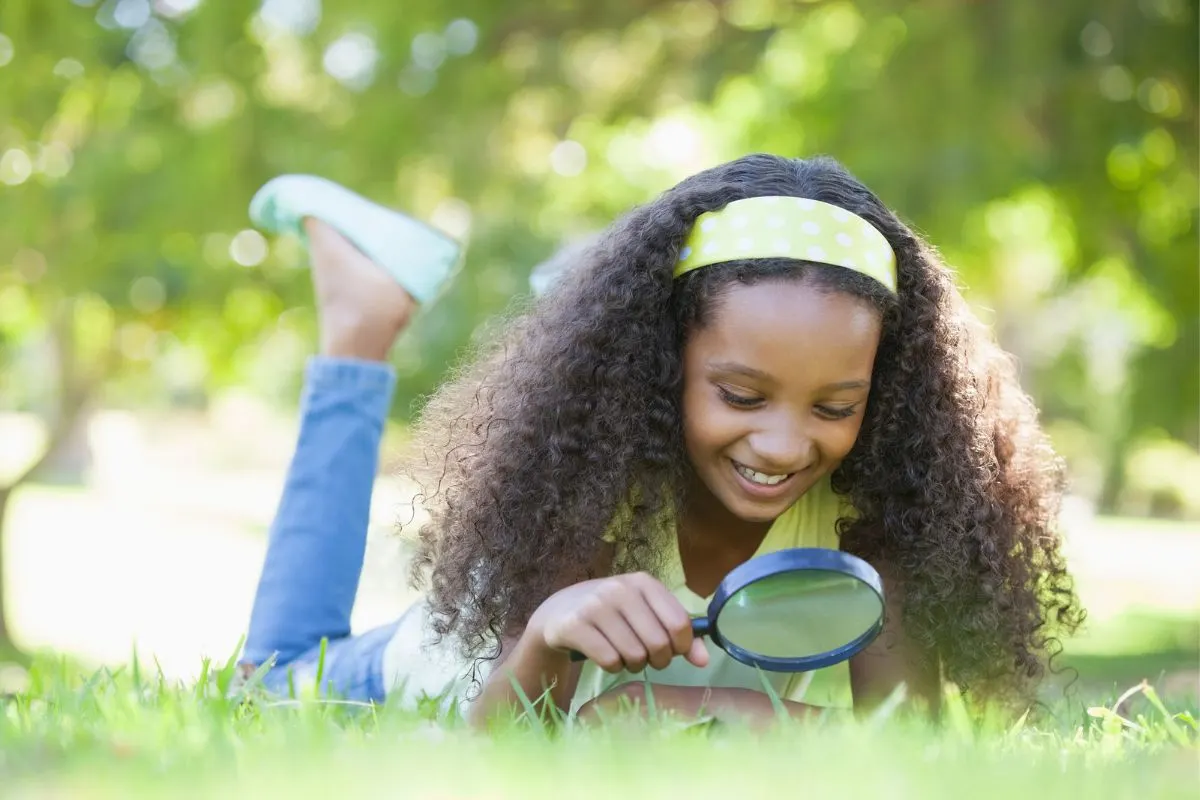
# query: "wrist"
(532, 650)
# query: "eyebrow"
(844, 385)
(738, 369)
(734, 368)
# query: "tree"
(1048, 151)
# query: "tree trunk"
(69, 463)
(8, 649)
(76, 386)
(1109, 501)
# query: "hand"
(621, 622)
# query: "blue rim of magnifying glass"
(792, 559)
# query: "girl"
(764, 357)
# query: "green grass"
(124, 734)
(75, 731)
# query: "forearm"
(744, 706)
(533, 668)
(747, 705)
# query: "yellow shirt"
(809, 522)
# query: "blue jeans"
(319, 536)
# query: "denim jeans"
(319, 535)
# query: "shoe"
(420, 258)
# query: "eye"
(836, 413)
(738, 400)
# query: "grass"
(77, 731)
(123, 733)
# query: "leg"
(318, 538)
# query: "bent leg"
(351, 668)
(399, 662)
(318, 538)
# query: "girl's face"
(774, 390)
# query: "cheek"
(839, 439)
(707, 424)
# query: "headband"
(789, 227)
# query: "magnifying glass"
(794, 610)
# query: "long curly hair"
(569, 427)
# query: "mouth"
(761, 484)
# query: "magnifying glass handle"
(701, 626)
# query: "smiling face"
(774, 390)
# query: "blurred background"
(151, 343)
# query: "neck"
(711, 539)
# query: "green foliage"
(114, 733)
(1048, 150)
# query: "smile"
(760, 478)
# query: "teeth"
(759, 477)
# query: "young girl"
(763, 357)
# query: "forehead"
(791, 331)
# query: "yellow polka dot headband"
(789, 227)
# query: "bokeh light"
(248, 248)
(295, 17)
(350, 59)
(461, 36)
(15, 167)
(568, 158)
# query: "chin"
(754, 512)
(750, 509)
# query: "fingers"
(623, 622)
(671, 614)
(697, 654)
(590, 641)
(660, 621)
(613, 622)
(654, 639)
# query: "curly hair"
(570, 428)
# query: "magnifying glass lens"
(799, 613)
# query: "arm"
(535, 669)
(745, 706)
(532, 666)
(621, 622)
(894, 658)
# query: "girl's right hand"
(620, 622)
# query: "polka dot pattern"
(792, 227)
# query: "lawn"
(168, 558)
(129, 731)
(126, 734)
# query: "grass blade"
(888, 707)
(321, 665)
(651, 706)
(136, 671)
(956, 712)
(1174, 730)
(535, 719)
(777, 704)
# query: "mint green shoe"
(420, 258)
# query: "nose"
(783, 447)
